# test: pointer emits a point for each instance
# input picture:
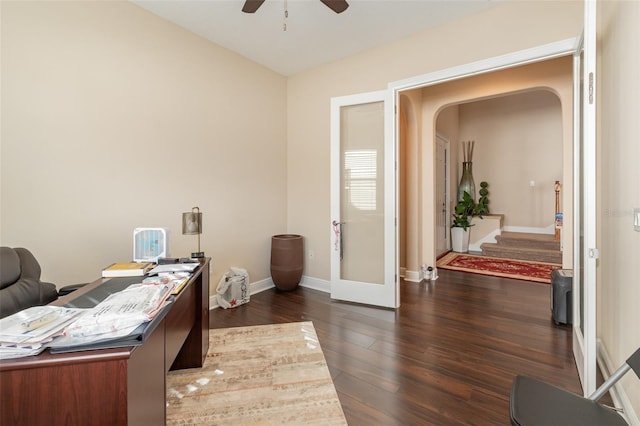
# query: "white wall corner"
(213, 302)
(618, 394)
(316, 284)
(489, 238)
(412, 276)
(484, 230)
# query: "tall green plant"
(465, 210)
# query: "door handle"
(337, 231)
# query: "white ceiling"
(315, 35)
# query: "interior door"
(585, 250)
(363, 204)
(442, 196)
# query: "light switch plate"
(636, 219)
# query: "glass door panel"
(363, 204)
(362, 186)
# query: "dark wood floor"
(447, 356)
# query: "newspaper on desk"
(32, 330)
(29, 331)
(174, 267)
(116, 316)
(176, 279)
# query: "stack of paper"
(120, 317)
(174, 267)
(176, 279)
(29, 331)
(117, 316)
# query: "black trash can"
(561, 295)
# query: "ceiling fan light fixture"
(338, 6)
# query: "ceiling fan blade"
(250, 6)
(338, 6)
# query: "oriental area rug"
(507, 268)
(260, 375)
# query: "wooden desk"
(109, 386)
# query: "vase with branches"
(466, 181)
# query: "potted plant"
(465, 210)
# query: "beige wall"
(618, 129)
(518, 140)
(470, 39)
(114, 119)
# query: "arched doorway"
(551, 83)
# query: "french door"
(585, 249)
(363, 206)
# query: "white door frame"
(535, 54)
(584, 298)
(386, 294)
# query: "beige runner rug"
(261, 375)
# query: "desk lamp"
(192, 225)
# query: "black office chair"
(534, 402)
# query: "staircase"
(517, 245)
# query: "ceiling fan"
(338, 6)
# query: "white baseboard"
(316, 284)
(412, 276)
(267, 283)
(550, 230)
(254, 287)
(618, 394)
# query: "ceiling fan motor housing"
(338, 6)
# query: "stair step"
(533, 241)
(521, 253)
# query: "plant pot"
(286, 261)
(466, 182)
(460, 240)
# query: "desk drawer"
(179, 322)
